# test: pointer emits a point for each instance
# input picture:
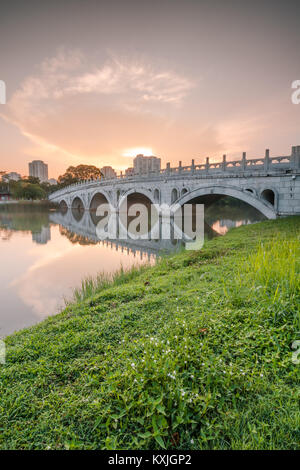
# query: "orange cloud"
(77, 115)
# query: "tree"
(24, 190)
(74, 174)
(32, 179)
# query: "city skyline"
(180, 80)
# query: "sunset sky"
(95, 81)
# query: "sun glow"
(133, 152)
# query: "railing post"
(193, 166)
(267, 160)
(244, 163)
(168, 168)
(297, 165)
(224, 163)
(295, 160)
(207, 164)
(180, 167)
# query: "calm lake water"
(45, 255)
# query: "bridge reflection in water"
(79, 226)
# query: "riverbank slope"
(193, 353)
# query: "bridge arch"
(98, 197)
(63, 206)
(262, 206)
(77, 208)
(251, 190)
(184, 191)
(269, 195)
(77, 203)
(156, 195)
(130, 192)
(174, 195)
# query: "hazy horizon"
(97, 82)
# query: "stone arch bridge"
(269, 184)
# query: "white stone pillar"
(267, 160)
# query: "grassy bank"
(194, 353)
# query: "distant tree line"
(26, 188)
(32, 188)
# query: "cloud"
(147, 84)
(64, 75)
(84, 110)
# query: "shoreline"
(21, 204)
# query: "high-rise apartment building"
(43, 236)
(38, 169)
(129, 171)
(108, 172)
(142, 164)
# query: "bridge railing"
(263, 164)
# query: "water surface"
(45, 255)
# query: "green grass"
(91, 285)
(194, 353)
